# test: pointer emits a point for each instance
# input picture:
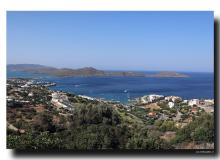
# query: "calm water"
(198, 85)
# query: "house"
(201, 102)
(154, 97)
(211, 101)
(151, 98)
(173, 99)
(194, 110)
(171, 104)
(29, 83)
(25, 86)
(55, 95)
(10, 98)
(152, 114)
(193, 102)
(128, 108)
(185, 101)
(60, 100)
(30, 94)
(86, 97)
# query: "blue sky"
(150, 41)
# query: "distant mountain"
(35, 68)
(86, 71)
(168, 74)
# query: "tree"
(202, 128)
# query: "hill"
(168, 74)
(86, 71)
(35, 68)
(39, 118)
(91, 125)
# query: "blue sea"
(198, 85)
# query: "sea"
(123, 89)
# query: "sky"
(145, 41)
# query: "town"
(35, 97)
(155, 107)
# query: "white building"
(185, 101)
(151, 98)
(30, 94)
(173, 98)
(211, 101)
(171, 104)
(25, 86)
(154, 97)
(193, 102)
(55, 95)
(86, 97)
(29, 83)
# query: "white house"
(173, 98)
(30, 94)
(211, 101)
(193, 102)
(171, 104)
(55, 95)
(185, 101)
(25, 86)
(154, 97)
(151, 98)
(86, 97)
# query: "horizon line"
(140, 70)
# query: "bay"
(198, 85)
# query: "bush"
(167, 126)
(201, 130)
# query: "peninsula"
(86, 71)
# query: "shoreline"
(51, 84)
(32, 102)
(103, 99)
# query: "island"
(86, 71)
(167, 74)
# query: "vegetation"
(89, 127)
(91, 124)
(200, 130)
(165, 125)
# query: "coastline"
(43, 83)
(135, 86)
(28, 100)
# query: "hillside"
(92, 125)
(34, 68)
(39, 118)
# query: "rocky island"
(86, 71)
(167, 74)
